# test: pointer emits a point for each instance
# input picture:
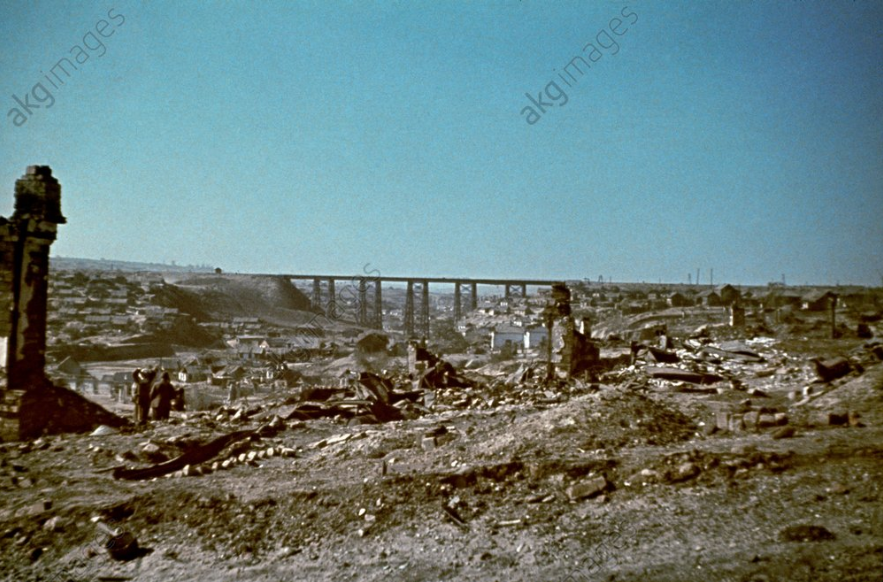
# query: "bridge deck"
(451, 280)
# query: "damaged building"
(30, 404)
(571, 352)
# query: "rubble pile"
(706, 468)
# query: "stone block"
(587, 487)
(685, 472)
(751, 419)
(832, 418)
(736, 423)
(854, 419)
(722, 420)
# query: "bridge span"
(362, 282)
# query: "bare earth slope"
(373, 502)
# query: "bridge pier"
(473, 298)
(378, 305)
(363, 301)
(508, 291)
(409, 310)
(317, 294)
(524, 291)
(424, 309)
(457, 305)
(331, 310)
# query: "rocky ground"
(769, 474)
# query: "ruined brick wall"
(572, 351)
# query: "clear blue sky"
(746, 137)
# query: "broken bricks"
(751, 420)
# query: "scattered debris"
(195, 456)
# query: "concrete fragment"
(587, 487)
(35, 509)
(685, 472)
(53, 524)
(784, 432)
(150, 449)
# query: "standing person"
(136, 383)
(161, 398)
(143, 380)
(178, 402)
(232, 393)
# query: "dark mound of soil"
(209, 296)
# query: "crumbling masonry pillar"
(30, 404)
(24, 251)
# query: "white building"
(535, 337)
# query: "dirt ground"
(626, 481)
